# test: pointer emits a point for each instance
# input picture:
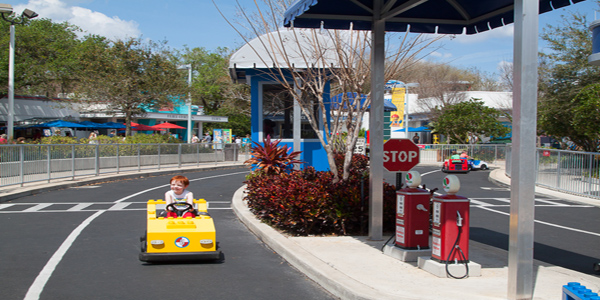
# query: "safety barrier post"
(179, 155)
(118, 159)
(48, 164)
(21, 165)
(97, 158)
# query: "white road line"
(3, 206)
(166, 185)
(119, 206)
(550, 202)
(40, 281)
(479, 202)
(544, 223)
(80, 206)
(37, 207)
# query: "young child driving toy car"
(180, 198)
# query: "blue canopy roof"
(414, 129)
(90, 124)
(337, 99)
(433, 16)
(61, 123)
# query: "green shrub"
(308, 203)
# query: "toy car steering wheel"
(179, 212)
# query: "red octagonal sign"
(400, 155)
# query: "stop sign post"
(400, 155)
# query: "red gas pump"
(412, 214)
(450, 222)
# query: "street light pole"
(189, 101)
(189, 104)
(7, 9)
(11, 84)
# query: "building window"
(278, 114)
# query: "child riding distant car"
(180, 201)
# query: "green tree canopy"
(47, 57)
(129, 77)
(458, 121)
(563, 104)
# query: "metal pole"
(376, 125)
(22, 164)
(179, 156)
(48, 164)
(118, 159)
(97, 149)
(189, 105)
(11, 85)
(520, 248)
(73, 162)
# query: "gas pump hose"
(460, 254)
(382, 247)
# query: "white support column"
(521, 238)
(376, 126)
(297, 125)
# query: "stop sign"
(400, 155)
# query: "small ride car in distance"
(476, 164)
(456, 166)
(178, 239)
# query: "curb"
(332, 280)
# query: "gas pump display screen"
(437, 209)
(400, 204)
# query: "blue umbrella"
(95, 125)
(115, 125)
(62, 124)
(337, 99)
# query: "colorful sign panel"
(397, 117)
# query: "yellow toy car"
(178, 239)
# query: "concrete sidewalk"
(356, 268)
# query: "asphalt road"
(83, 243)
(567, 234)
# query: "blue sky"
(198, 23)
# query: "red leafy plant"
(307, 202)
(272, 158)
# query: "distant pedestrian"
(195, 139)
(416, 138)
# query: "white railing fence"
(21, 164)
(436, 153)
(568, 171)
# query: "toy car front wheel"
(484, 167)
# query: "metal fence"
(21, 164)
(568, 171)
(437, 153)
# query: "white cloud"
(90, 21)
(442, 55)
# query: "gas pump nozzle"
(459, 219)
